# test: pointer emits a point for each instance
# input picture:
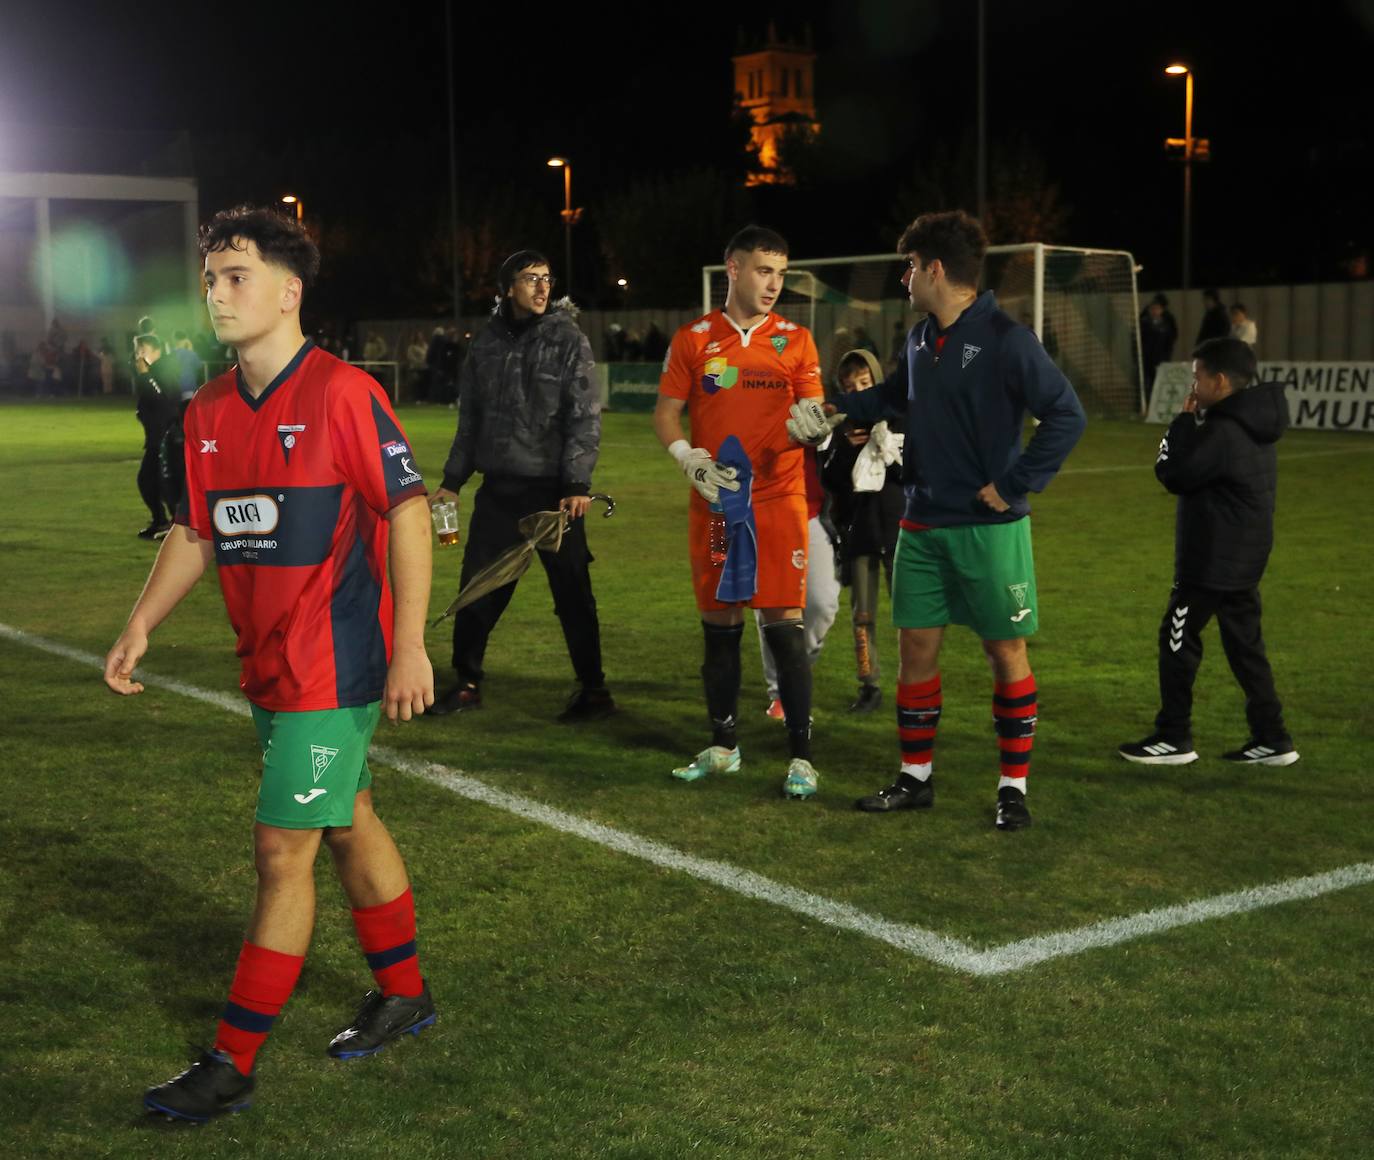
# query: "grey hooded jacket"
(528, 405)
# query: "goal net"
(1082, 303)
(1084, 306)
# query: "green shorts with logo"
(313, 765)
(981, 575)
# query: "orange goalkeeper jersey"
(742, 383)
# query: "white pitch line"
(1029, 951)
(907, 937)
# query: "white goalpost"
(1082, 304)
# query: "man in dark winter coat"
(529, 419)
(1219, 458)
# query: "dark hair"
(520, 260)
(1160, 300)
(1213, 294)
(851, 362)
(1239, 306)
(1229, 357)
(954, 237)
(280, 240)
(146, 325)
(149, 340)
(753, 238)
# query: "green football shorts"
(313, 765)
(981, 575)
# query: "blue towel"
(739, 575)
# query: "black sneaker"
(380, 1019)
(588, 705)
(459, 699)
(155, 531)
(869, 698)
(1157, 749)
(1011, 809)
(1257, 753)
(906, 793)
(210, 1087)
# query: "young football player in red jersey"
(750, 382)
(301, 488)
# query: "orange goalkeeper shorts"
(780, 524)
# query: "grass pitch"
(594, 1005)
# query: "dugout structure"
(1082, 303)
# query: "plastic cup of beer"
(445, 517)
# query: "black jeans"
(496, 513)
(1180, 655)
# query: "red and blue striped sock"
(387, 935)
(262, 984)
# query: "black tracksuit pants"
(152, 487)
(1180, 655)
(494, 527)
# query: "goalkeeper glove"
(707, 476)
(809, 424)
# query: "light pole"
(569, 216)
(292, 200)
(1187, 143)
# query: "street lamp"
(1187, 143)
(569, 215)
(292, 200)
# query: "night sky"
(352, 116)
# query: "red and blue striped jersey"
(292, 489)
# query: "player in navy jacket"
(968, 376)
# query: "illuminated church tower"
(775, 85)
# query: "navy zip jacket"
(965, 409)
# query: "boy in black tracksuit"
(1219, 458)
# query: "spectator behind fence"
(1158, 334)
(417, 372)
(1243, 326)
(1215, 321)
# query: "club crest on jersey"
(286, 433)
(799, 559)
(779, 344)
(1018, 593)
(719, 376)
(971, 352)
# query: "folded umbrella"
(539, 531)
